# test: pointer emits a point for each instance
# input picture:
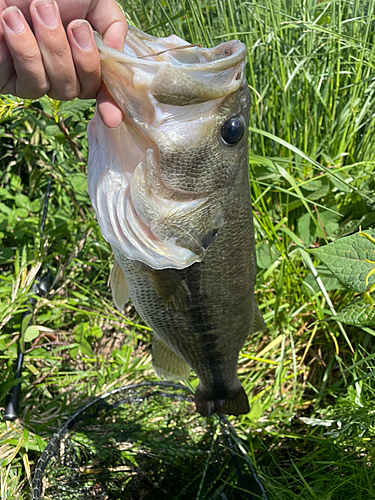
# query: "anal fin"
(119, 287)
(167, 365)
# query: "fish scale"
(182, 234)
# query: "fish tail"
(237, 404)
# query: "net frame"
(249, 483)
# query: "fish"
(170, 188)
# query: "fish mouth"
(171, 70)
(176, 50)
(161, 85)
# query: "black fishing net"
(145, 442)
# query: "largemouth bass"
(171, 191)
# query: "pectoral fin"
(173, 291)
(167, 365)
(119, 287)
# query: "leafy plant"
(310, 72)
(349, 259)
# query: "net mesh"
(145, 441)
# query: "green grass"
(311, 68)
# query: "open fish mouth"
(173, 71)
(169, 92)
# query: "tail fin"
(238, 404)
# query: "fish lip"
(220, 58)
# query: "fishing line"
(39, 288)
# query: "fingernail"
(13, 19)
(82, 35)
(46, 10)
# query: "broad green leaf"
(31, 333)
(25, 322)
(21, 212)
(81, 330)
(329, 220)
(351, 260)
(316, 189)
(86, 348)
(357, 313)
(306, 229)
(52, 130)
(256, 411)
(5, 194)
(264, 258)
(5, 254)
(79, 182)
(96, 331)
(21, 200)
(4, 208)
(40, 352)
(35, 206)
(12, 219)
(330, 283)
(73, 352)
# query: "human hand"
(47, 47)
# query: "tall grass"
(311, 75)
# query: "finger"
(69, 9)
(23, 6)
(108, 109)
(6, 61)
(55, 50)
(86, 57)
(109, 21)
(28, 80)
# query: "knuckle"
(90, 83)
(60, 53)
(30, 94)
(89, 90)
(34, 91)
(66, 93)
(28, 58)
(85, 94)
(71, 92)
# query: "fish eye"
(233, 130)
